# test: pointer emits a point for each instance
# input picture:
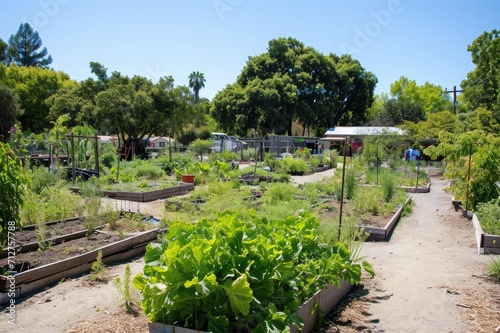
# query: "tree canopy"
(9, 109)
(292, 82)
(482, 85)
(409, 102)
(24, 46)
(34, 85)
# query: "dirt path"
(429, 278)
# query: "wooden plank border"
(183, 188)
(486, 243)
(326, 299)
(69, 264)
(381, 234)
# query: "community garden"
(241, 248)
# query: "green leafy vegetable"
(235, 275)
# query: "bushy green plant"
(294, 165)
(227, 156)
(330, 158)
(304, 153)
(314, 161)
(108, 159)
(60, 204)
(13, 182)
(41, 179)
(230, 274)
(489, 216)
(272, 162)
(280, 192)
(367, 200)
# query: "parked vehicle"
(223, 143)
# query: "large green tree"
(9, 109)
(135, 108)
(410, 102)
(482, 85)
(292, 82)
(34, 85)
(4, 48)
(24, 48)
(196, 82)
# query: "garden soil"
(429, 278)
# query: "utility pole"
(454, 91)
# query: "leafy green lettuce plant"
(232, 274)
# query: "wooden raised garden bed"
(27, 279)
(381, 234)
(321, 303)
(412, 189)
(183, 188)
(73, 226)
(486, 243)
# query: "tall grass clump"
(388, 186)
(352, 179)
(494, 268)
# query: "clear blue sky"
(424, 40)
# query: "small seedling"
(123, 287)
(98, 268)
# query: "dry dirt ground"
(429, 278)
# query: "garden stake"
(342, 189)
(468, 180)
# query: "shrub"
(294, 165)
(41, 179)
(108, 159)
(277, 192)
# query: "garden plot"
(33, 263)
(149, 193)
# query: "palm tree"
(196, 81)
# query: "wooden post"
(73, 168)
(342, 188)
(96, 154)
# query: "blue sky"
(424, 40)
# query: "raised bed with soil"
(485, 243)
(379, 226)
(146, 196)
(25, 268)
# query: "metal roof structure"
(359, 131)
